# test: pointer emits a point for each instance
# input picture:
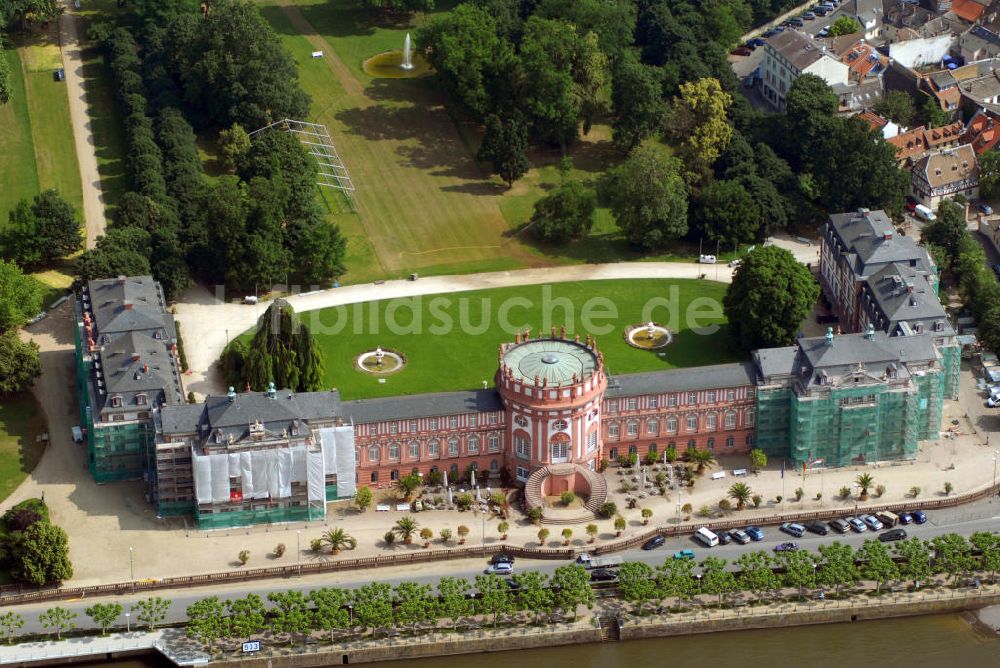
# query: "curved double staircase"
(597, 494)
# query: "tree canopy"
(770, 295)
(648, 197)
(42, 230)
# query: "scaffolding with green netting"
(274, 515)
(773, 407)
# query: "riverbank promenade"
(171, 643)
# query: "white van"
(706, 537)
(925, 213)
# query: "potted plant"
(426, 534)
(543, 534)
(567, 533)
(463, 531)
(620, 525)
(503, 528)
(646, 514)
(592, 532)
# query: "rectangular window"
(730, 420)
(434, 449)
(613, 406)
(473, 421)
(472, 446)
(711, 397)
(522, 448)
(749, 419)
(452, 422)
(731, 395)
(672, 400)
(592, 441)
(692, 422)
(613, 431)
(494, 442)
(414, 451)
(653, 402)
(522, 473)
(692, 397)
(494, 418)
(633, 428)
(413, 425)
(453, 447)
(433, 424)
(632, 403)
(393, 427)
(710, 421)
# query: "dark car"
(892, 534)
(755, 42)
(905, 518)
(724, 537)
(741, 51)
(59, 74)
(602, 575)
(786, 547)
(817, 527)
(808, 16)
(740, 536)
(513, 584)
(819, 11)
(501, 558)
(654, 542)
(796, 22)
(918, 516)
(840, 525)
(755, 533)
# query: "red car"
(741, 51)
(911, 206)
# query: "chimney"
(135, 357)
(231, 394)
(121, 280)
(145, 368)
(887, 235)
(127, 306)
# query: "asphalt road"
(982, 516)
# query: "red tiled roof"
(874, 120)
(910, 144)
(983, 132)
(967, 9)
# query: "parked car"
(501, 558)
(918, 516)
(793, 529)
(741, 51)
(986, 208)
(905, 518)
(911, 204)
(512, 584)
(77, 434)
(724, 537)
(819, 11)
(755, 533)
(796, 22)
(892, 534)
(840, 525)
(684, 554)
(706, 259)
(740, 536)
(786, 547)
(817, 528)
(59, 74)
(654, 542)
(502, 568)
(872, 522)
(824, 32)
(857, 525)
(808, 16)
(771, 33)
(755, 42)
(602, 575)
(735, 263)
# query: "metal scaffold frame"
(318, 143)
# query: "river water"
(911, 642)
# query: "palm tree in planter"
(646, 514)
(445, 535)
(503, 528)
(405, 528)
(703, 458)
(338, 540)
(567, 533)
(543, 534)
(619, 525)
(426, 534)
(741, 493)
(865, 480)
(463, 531)
(592, 532)
(407, 485)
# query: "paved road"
(982, 516)
(71, 33)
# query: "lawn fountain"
(380, 362)
(651, 336)
(404, 64)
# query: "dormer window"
(140, 400)
(116, 402)
(158, 335)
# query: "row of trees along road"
(697, 161)
(257, 226)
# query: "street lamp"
(128, 623)
(698, 576)
(350, 611)
(996, 453)
(131, 564)
(298, 549)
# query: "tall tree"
(716, 580)
(331, 611)
(495, 597)
(770, 295)
(121, 251)
(412, 604)
(636, 98)
(571, 586)
(897, 106)
(505, 147)
(19, 363)
(453, 599)
(728, 213)
(290, 614)
(151, 611)
(40, 555)
(877, 564)
(548, 55)
(246, 615)
(5, 85)
(916, 559)
(637, 583)
(989, 173)
(373, 606)
(800, 569)
(838, 567)
(534, 594)
(104, 614)
(567, 212)
(20, 296)
(11, 623)
(207, 621)
(757, 573)
(648, 197)
(42, 230)
(58, 619)
(698, 123)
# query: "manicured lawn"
(444, 358)
(55, 283)
(21, 422)
(52, 134)
(18, 176)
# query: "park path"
(71, 29)
(211, 322)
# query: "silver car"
(872, 522)
(857, 525)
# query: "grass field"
(18, 176)
(445, 358)
(52, 135)
(20, 424)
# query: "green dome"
(554, 361)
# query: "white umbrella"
(449, 496)
(472, 477)
(445, 477)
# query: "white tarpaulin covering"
(220, 478)
(284, 457)
(202, 478)
(246, 474)
(317, 477)
(338, 456)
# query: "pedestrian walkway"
(171, 643)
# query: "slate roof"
(891, 289)
(365, 411)
(129, 304)
(678, 380)
(799, 50)
(872, 240)
(948, 166)
(137, 363)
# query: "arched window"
(613, 430)
(632, 450)
(414, 450)
(493, 442)
(559, 451)
(633, 428)
(394, 452)
(672, 424)
(652, 426)
(494, 465)
(373, 454)
(453, 447)
(711, 421)
(730, 419)
(692, 422)
(374, 476)
(749, 439)
(394, 475)
(434, 448)
(522, 445)
(472, 445)
(711, 444)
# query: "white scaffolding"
(318, 143)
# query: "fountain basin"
(389, 65)
(648, 336)
(380, 362)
